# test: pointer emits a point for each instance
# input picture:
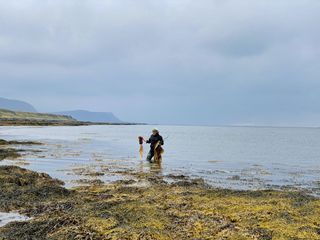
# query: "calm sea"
(232, 157)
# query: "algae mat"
(185, 209)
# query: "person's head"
(155, 131)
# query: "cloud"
(209, 62)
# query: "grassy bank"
(11, 118)
(7, 114)
(30, 122)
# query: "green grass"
(12, 115)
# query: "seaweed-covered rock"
(12, 153)
(4, 142)
(9, 153)
(188, 209)
(22, 188)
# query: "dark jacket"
(154, 139)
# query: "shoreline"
(32, 122)
(148, 207)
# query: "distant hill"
(16, 105)
(87, 116)
(12, 115)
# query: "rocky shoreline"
(149, 207)
(32, 122)
(8, 152)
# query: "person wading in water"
(155, 141)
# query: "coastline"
(149, 207)
(32, 122)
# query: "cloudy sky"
(167, 61)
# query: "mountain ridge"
(16, 105)
(90, 116)
(79, 114)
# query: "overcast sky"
(167, 61)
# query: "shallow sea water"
(228, 157)
(6, 218)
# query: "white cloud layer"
(169, 61)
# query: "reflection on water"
(156, 168)
(233, 157)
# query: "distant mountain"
(87, 116)
(16, 105)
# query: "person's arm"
(161, 141)
(148, 141)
